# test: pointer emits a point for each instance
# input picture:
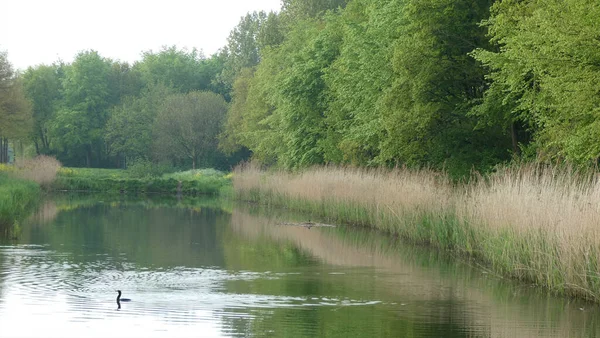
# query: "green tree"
(187, 126)
(544, 68)
(427, 118)
(242, 49)
(358, 81)
(128, 132)
(181, 69)
(278, 111)
(303, 9)
(79, 125)
(43, 85)
(15, 109)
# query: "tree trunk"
(2, 150)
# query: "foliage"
(15, 109)
(78, 126)
(43, 86)
(458, 85)
(358, 80)
(187, 126)
(255, 31)
(182, 70)
(129, 128)
(544, 73)
(141, 168)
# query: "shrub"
(141, 168)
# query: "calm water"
(195, 268)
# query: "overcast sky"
(43, 31)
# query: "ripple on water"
(41, 278)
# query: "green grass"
(17, 198)
(193, 182)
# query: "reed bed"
(533, 223)
(41, 169)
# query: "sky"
(37, 32)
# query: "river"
(207, 268)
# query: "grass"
(17, 197)
(20, 189)
(533, 223)
(193, 182)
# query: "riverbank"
(192, 182)
(17, 198)
(535, 224)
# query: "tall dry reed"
(533, 223)
(41, 169)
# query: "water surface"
(198, 268)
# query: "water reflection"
(429, 288)
(195, 268)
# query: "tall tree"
(545, 67)
(359, 79)
(178, 68)
(15, 109)
(278, 112)
(79, 125)
(242, 49)
(128, 132)
(304, 9)
(187, 126)
(43, 85)
(436, 83)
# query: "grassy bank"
(192, 182)
(17, 197)
(539, 225)
(20, 187)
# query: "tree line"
(449, 84)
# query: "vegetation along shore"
(537, 224)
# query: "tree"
(187, 126)
(129, 129)
(242, 50)
(183, 70)
(88, 95)
(15, 109)
(305, 9)
(358, 81)
(43, 87)
(544, 70)
(427, 118)
(278, 111)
